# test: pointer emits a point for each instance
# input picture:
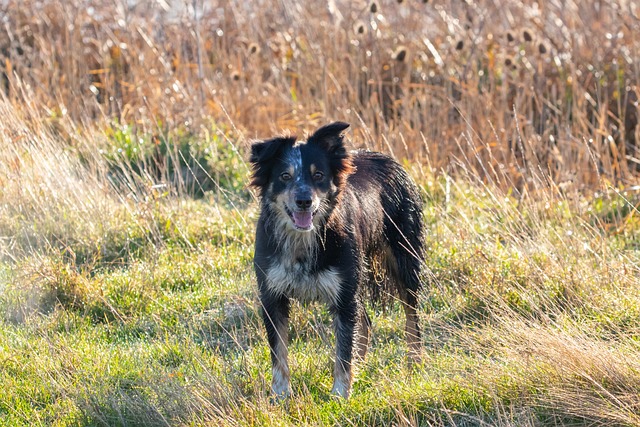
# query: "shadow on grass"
(161, 403)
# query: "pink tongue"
(302, 219)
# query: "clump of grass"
(570, 374)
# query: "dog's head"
(301, 182)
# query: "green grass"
(149, 316)
(128, 303)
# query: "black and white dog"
(328, 217)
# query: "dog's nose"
(303, 202)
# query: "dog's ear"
(262, 155)
(329, 137)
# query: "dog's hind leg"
(412, 328)
(405, 264)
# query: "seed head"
(254, 48)
(400, 53)
(359, 28)
(542, 48)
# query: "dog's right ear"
(329, 137)
(262, 155)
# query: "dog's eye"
(318, 176)
(285, 176)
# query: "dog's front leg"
(345, 322)
(275, 313)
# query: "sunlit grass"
(127, 294)
(149, 315)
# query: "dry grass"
(127, 302)
(520, 88)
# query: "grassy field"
(127, 296)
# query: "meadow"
(127, 293)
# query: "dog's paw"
(340, 390)
(280, 393)
(279, 399)
(414, 361)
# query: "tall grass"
(126, 229)
(521, 87)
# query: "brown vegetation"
(516, 90)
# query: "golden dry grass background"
(518, 91)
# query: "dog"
(326, 216)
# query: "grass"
(127, 295)
(142, 310)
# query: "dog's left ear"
(329, 137)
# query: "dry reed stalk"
(268, 65)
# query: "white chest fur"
(294, 280)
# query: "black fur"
(327, 218)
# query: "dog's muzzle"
(303, 213)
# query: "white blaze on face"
(295, 160)
(303, 220)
